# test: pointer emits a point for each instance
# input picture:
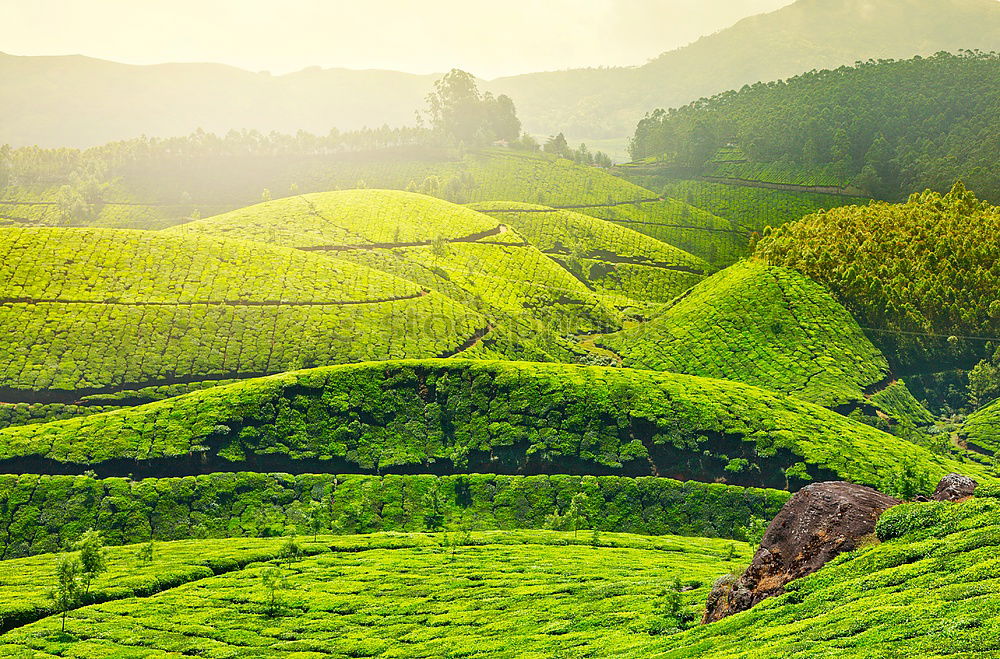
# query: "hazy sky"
(487, 37)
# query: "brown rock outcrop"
(954, 487)
(821, 521)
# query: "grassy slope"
(529, 300)
(105, 308)
(983, 428)
(492, 416)
(510, 594)
(762, 325)
(627, 266)
(933, 592)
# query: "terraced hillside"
(928, 590)
(457, 416)
(920, 277)
(359, 596)
(531, 302)
(762, 325)
(153, 185)
(94, 312)
(626, 266)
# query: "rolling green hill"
(510, 594)
(763, 325)
(532, 304)
(456, 416)
(982, 430)
(155, 184)
(920, 277)
(94, 311)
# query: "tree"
(754, 531)
(501, 116)
(274, 582)
(67, 595)
(92, 561)
(145, 553)
(984, 381)
(316, 518)
(558, 145)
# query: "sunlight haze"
(508, 38)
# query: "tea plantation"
(507, 594)
(94, 311)
(453, 416)
(761, 325)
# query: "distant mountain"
(79, 101)
(809, 34)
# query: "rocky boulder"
(821, 521)
(954, 487)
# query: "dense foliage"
(448, 416)
(762, 325)
(102, 309)
(921, 277)
(890, 127)
(402, 595)
(45, 513)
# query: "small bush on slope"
(762, 325)
(488, 416)
(916, 273)
(100, 308)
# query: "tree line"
(889, 127)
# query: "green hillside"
(94, 310)
(982, 430)
(928, 590)
(455, 416)
(750, 208)
(762, 325)
(626, 266)
(886, 128)
(920, 277)
(571, 591)
(532, 304)
(480, 594)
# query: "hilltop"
(98, 311)
(762, 325)
(920, 277)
